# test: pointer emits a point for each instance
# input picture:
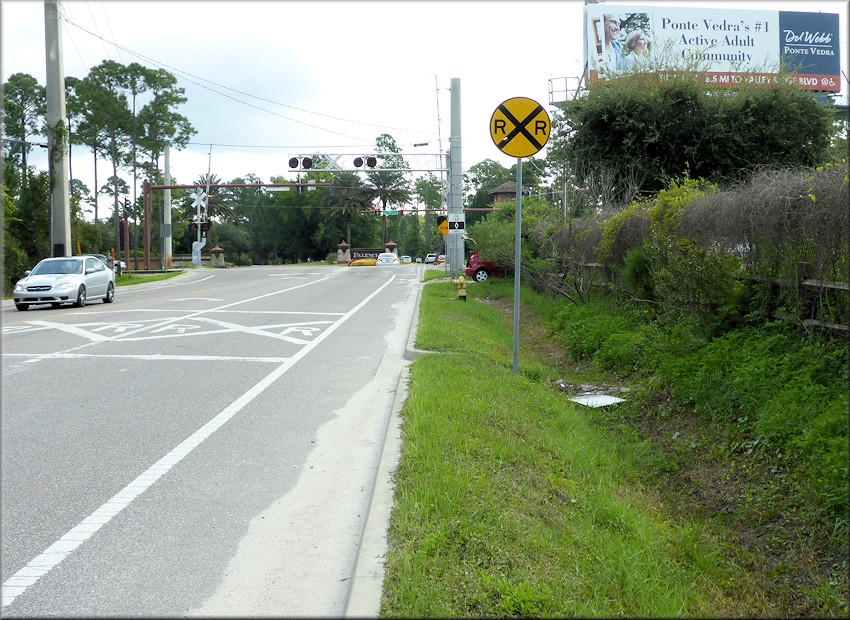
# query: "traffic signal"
(305, 163)
(370, 161)
(205, 226)
(193, 227)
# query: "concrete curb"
(367, 581)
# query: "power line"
(184, 74)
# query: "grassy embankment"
(690, 498)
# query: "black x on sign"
(520, 127)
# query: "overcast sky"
(268, 80)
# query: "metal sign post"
(519, 128)
(517, 250)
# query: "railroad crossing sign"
(520, 127)
(199, 198)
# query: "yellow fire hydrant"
(460, 285)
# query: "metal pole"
(147, 211)
(166, 213)
(454, 249)
(517, 249)
(57, 134)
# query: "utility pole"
(57, 134)
(454, 240)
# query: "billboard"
(724, 47)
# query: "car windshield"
(58, 266)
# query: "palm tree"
(347, 197)
(219, 200)
(390, 188)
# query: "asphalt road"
(206, 445)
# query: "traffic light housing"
(371, 161)
(205, 226)
(193, 227)
(305, 162)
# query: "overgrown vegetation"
(695, 251)
(633, 135)
(719, 488)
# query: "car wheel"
(81, 297)
(480, 275)
(22, 307)
(110, 294)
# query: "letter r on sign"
(499, 126)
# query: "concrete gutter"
(367, 581)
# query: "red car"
(479, 270)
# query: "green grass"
(129, 279)
(513, 501)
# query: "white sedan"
(62, 280)
(387, 259)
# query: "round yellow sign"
(520, 127)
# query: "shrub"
(637, 273)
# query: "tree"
(220, 200)
(479, 180)
(411, 241)
(636, 133)
(31, 224)
(389, 187)
(428, 193)
(23, 112)
(388, 153)
(14, 257)
(74, 113)
(346, 198)
(160, 125)
(107, 122)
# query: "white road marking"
(160, 322)
(11, 329)
(118, 327)
(180, 329)
(258, 331)
(39, 566)
(156, 357)
(72, 329)
(302, 329)
(196, 299)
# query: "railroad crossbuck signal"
(520, 127)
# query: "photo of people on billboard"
(622, 41)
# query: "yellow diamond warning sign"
(520, 127)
